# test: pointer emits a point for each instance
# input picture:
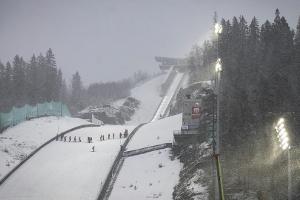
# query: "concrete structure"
(166, 63)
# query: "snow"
(200, 191)
(149, 96)
(185, 80)
(66, 170)
(157, 132)
(154, 179)
(168, 97)
(69, 170)
(19, 141)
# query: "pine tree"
(76, 94)
(2, 85)
(19, 81)
(8, 88)
(52, 85)
(32, 81)
(42, 79)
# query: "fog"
(111, 39)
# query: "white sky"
(111, 39)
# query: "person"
(79, 139)
(70, 138)
(65, 138)
(93, 149)
(74, 138)
(125, 133)
(120, 135)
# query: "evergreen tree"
(19, 81)
(32, 81)
(52, 85)
(2, 85)
(8, 88)
(76, 94)
(42, 79)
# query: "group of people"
(69, 139)
(90, 139)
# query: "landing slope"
(19, 141)
(149, 96)
(67, 170)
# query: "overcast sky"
(111, 39)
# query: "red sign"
(195, 112)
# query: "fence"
(17, 115)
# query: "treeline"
(102, 93)
(40, 80)
(36, 81)
(261, 70)
(260, 82)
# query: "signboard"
(195, 112)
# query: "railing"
(104, 193)
(146, 149)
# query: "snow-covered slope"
(168, 97)
(149, 96)
(151, 175)
(153, 179)
(19, 141)
(157, 132)
(66, 170)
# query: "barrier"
(147, 149)
(17, 115)
(115, 168)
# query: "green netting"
(17, 115)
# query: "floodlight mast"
(216, 138)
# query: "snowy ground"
(149, 96)
(66, 170)
(154, 179)
(168, 97)
(69, 170)
(19, 141)
(157, 132)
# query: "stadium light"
(218, 66)
(283, 138)
(218, 28)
